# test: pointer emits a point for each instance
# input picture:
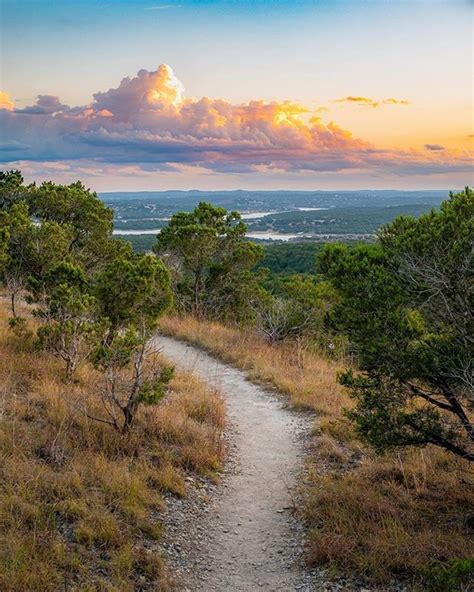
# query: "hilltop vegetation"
(86, 452)
(290, 258)
(80, 505)
(402, 515)
(376, 338)
(403, 309)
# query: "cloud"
(147, 123)
(6, 102)
(392, 101)
(45, 105)
(435, 147)
(367, 102)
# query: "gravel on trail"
(243, 534)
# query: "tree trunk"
(129, 415)
(70, 369)
(13, 304)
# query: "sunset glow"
(331, 136)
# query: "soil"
(244, 534)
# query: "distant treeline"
(279, 258)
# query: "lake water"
(264, 235)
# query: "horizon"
(388, 189)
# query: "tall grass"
(307, 379)
(79, 503)
(408, 515)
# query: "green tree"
(15, 225)
(4, 240)
(128, 381)
(12, 189)
(16, 228)
(299, 311)
(69, 326)
(132, 289)
(407, 305)
(211, 262)
(132, 292)
(30, 250)
(32, 216)
(78, 208)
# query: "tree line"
(403, 305)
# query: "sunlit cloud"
(147, 123)
(367, 102)
(6, 102)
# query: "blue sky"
(309, 52)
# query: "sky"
(248, 94)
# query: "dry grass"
(381, 517)
(309, 380)
(80, 504)
(391, 516)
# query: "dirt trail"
(247, 539)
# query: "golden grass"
(79, 503)
(308, 380)
(381, 517)
(391, 517)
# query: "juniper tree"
(211, 262)
(132, 293)
(407, 305)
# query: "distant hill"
(278, 215)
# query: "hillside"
(80, 506)
(330, 447)
(399, 516)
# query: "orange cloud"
(5, 101)
(367, 102)
(105, 113)
(395, 102)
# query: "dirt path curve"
(248, 539)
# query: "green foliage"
(93, 296)
(290, 258)
(118, 353)
(30, 250)
(132, 291)
(4, 240)
(407, 305)
(211, 262)
(299, 311)
(76, 207)
(387, 416)
(141, 243)
(127, 382)
(66, 308)
(133, 288)
(12, 190)
(449, 577)
(154, 389)
(56, 245)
